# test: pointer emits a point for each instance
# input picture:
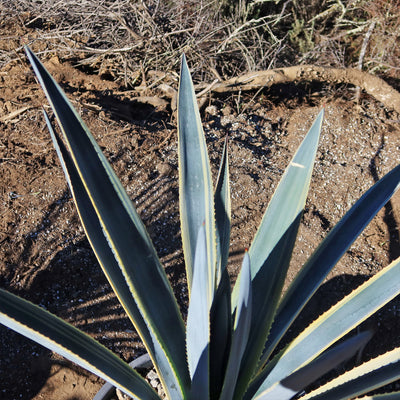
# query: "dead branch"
(373, 85)
(12, 115)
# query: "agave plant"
(231, 346)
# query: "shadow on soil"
(94, 309)
(72, 285)
(389, 219)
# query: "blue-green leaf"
(196, 198)
(385, 396)
(369, 376)
(273, 244)
(198, 322)
(220, 334)
(126, 237)
(57, 335)
(221, 321)
(299, 380)
(222, 199)
(241, 330)
(332, 325)
(328, 253)
(106, 257)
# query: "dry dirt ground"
(44, 256)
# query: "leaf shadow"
(72, 285)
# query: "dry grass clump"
(351, 33)
(383, 55)
(124, 39)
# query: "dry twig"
(12, 115)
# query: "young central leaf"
(196, 197)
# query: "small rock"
(152, 375)
(154, 383)
(227, 120)
(54, 60)
(164, 169)
(122, 396)
(160, 390)
(227, 111)
(212, 110)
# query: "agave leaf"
(332, 325)
(272, 247)
(125, 234)
(299, 380)
(221, 324)
(198, 322)
(107, 260)
(220, 334)
(196, 200)
(385, 396)
(222, 198)
(52, 332)
(328, 253)
(371, 375)
(241, 330)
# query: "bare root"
(373, 85)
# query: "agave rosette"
(227, 350)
